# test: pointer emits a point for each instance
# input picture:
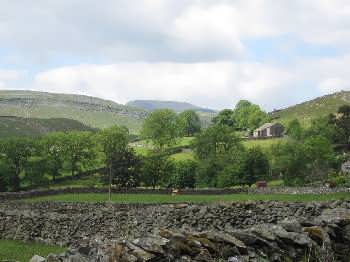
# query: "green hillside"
(152, 105)
(91, 111)
(19, 126)
(321, 106)
(205, 114)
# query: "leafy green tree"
(80, 150)
(248, 115)
(215, 148)
(233, 173)
(217, 140)
(35, 169)
(184, 175)
(324, 127)
(225, 117)
(156, 168)
(161, 128)
(53, 150)
(256, 166)
(289, 159)
(320, 156)
(121, 160)
(16, 152)
(189, 122)
(295, 130)
(343, 122)
(4, 173)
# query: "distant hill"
(318, 107)
(90, 111)
(205, 114)
(19, 126)
(151, 105)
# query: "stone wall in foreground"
(324, 238)
(213, 191)
(66, 223)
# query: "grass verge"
(18, 251)
(157, 198)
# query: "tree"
(216, 141)
(4, 173)
(225, 117)
(16, 152)
(248, 115)
(294, 129)
(324, 127)
(156, 168)
(233, 173)
(189, 122)
(256, 166)
(35, 169)
(320, 155)
(161, 128)
(215, 148)
(184, 174)
(343, 122)
(289, 159)
(79, 150)
(121, 160)
(53, 147)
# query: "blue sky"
(210, 53)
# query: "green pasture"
(159, 199)
(11, 250)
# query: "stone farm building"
(269, 130)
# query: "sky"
(208, 52)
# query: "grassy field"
(182, 156)
(156, 198)
(18, 251)
(263, 143)
(143, 147)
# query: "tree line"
(220, 157)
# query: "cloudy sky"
(208, 52)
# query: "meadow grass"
(11, 250)
(182, 156)
(263, 143)
(158, 198)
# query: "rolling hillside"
(90, 111)
(19, 126)
(321, 106)
(205, 114)
(151, 105)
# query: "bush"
(339, 179)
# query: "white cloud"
(165, 29)
(191, 50)
(209, 84)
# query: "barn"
(269, 130)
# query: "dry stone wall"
(66, 223)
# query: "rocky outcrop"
(324, 238)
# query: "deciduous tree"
(161, 128)
(189, 123)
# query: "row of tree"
(221, 159)
(246, 116)
(34, 160)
